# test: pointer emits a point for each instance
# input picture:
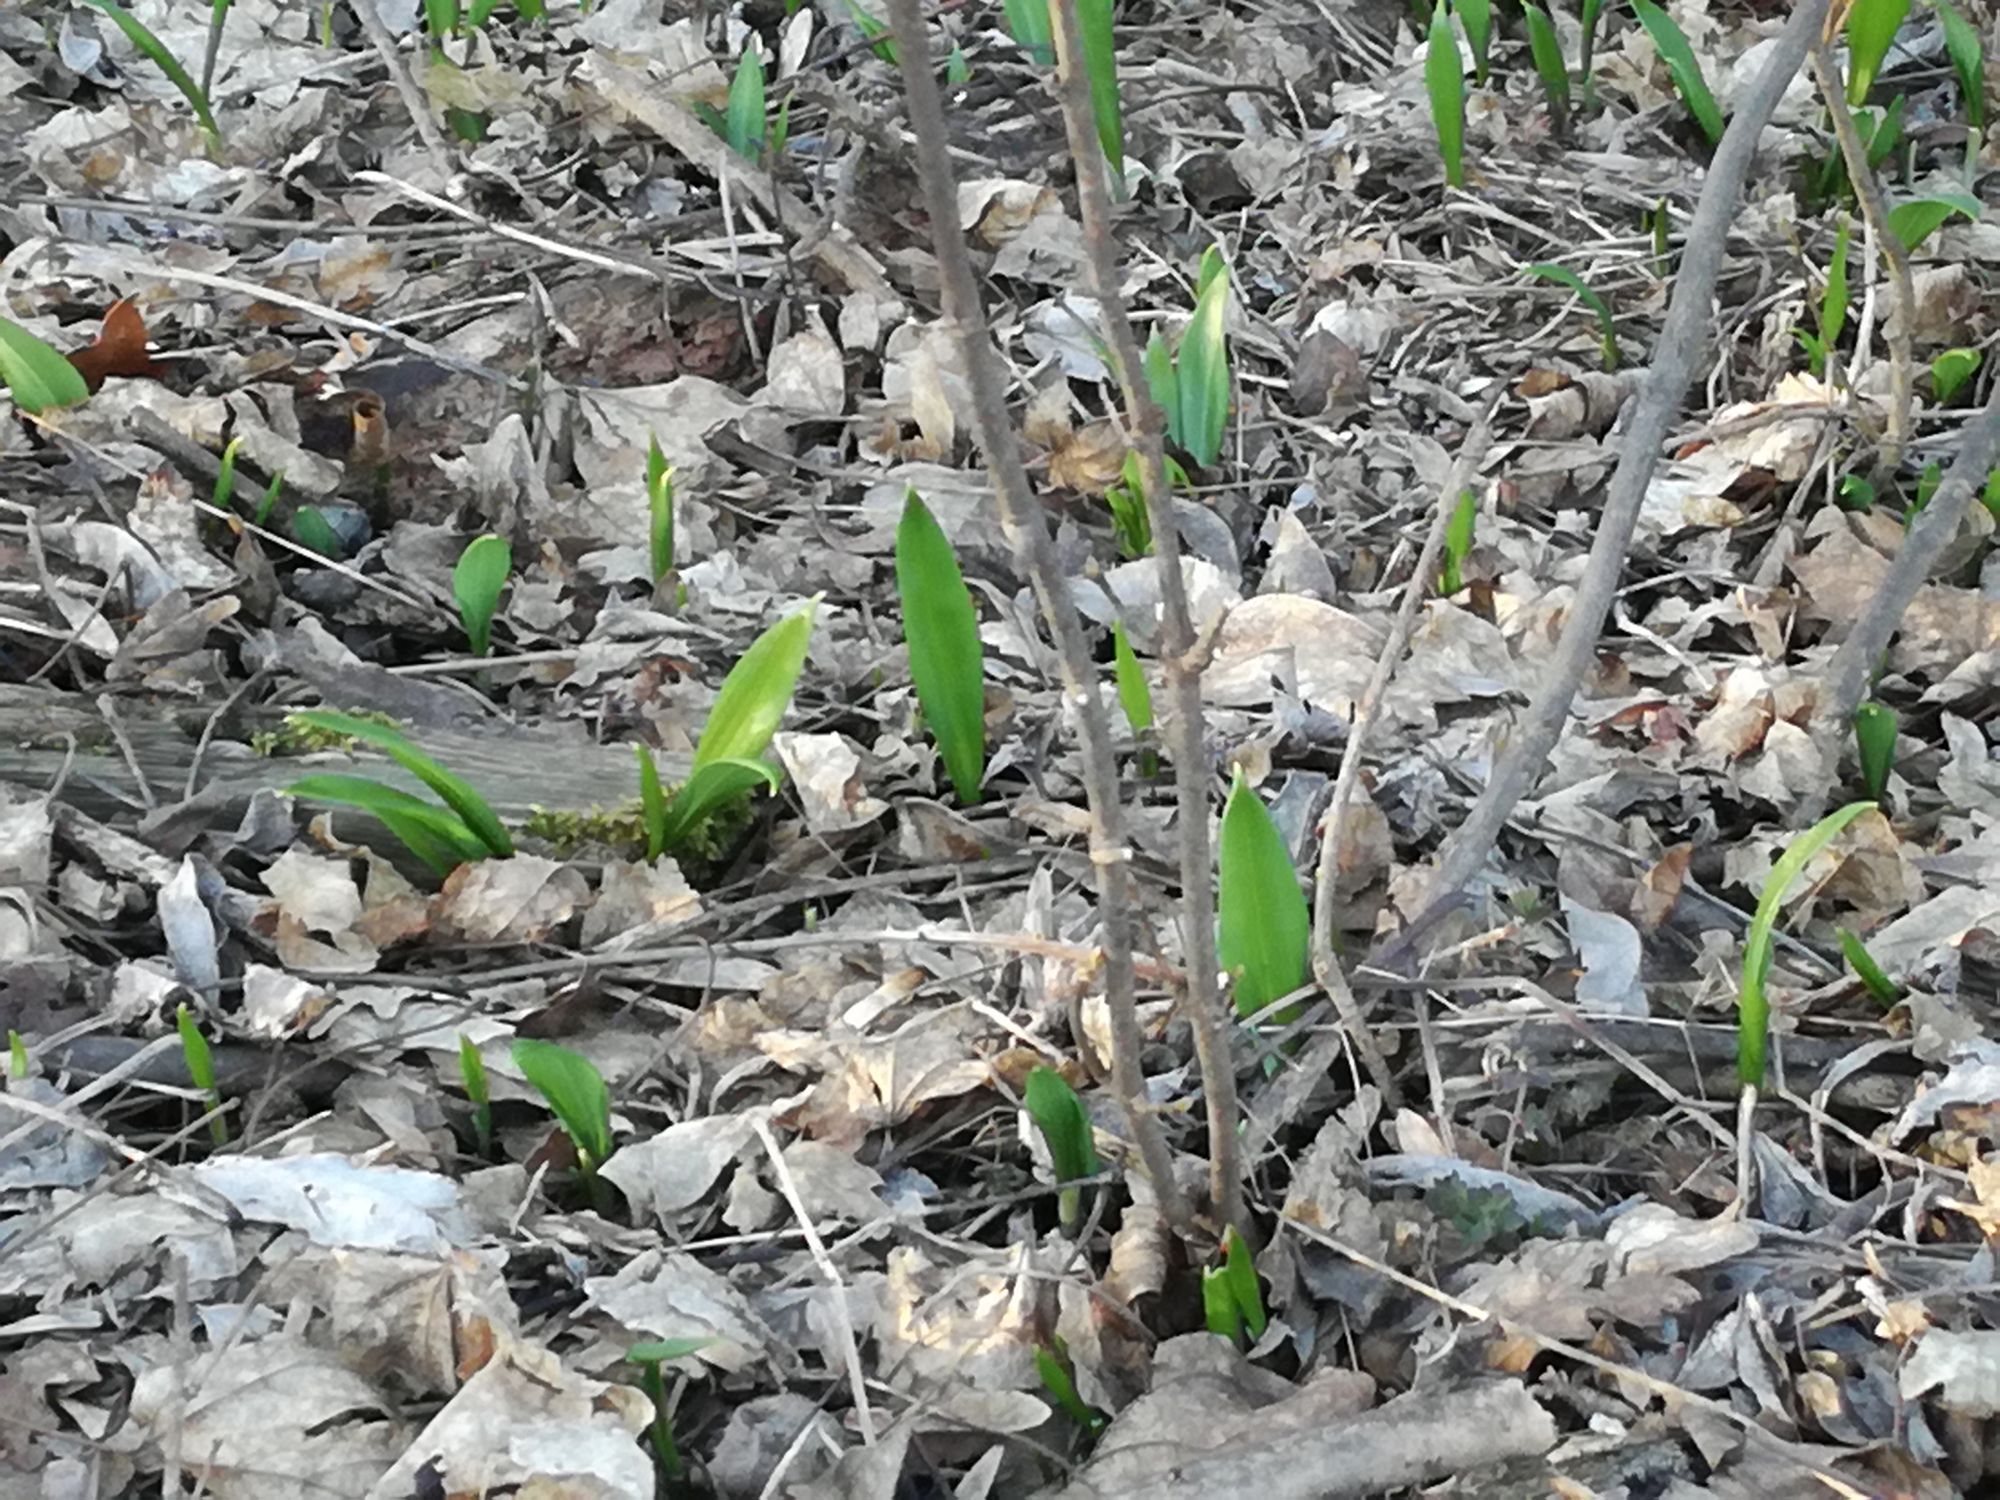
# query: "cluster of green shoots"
(460, 826)
(38, 378)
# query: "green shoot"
(660, 1431)
(313, 531)
(1950, 371)
(201, 1068)
(877, 35)
(659, 510)
(1262, 924)
(1917, 220)
(1672, 45)
(17, 1055)
(1607, 331)
(1968, 61)
(941, 628)
(1219, 1307)
(1201, 368)
(1099, 43)
(38, 378)
(1753, 1006)
(1546, 49)
(1927, 486)
(1029, 25)
(225, 476)
(269, 502)
(1885, 990)
(472, 1073)
(465, 826)
(1444, 81)
(1871, 26)
(1065, 1126)
(440, 19)
(1053, 1365)
(1134, 695)
(576, 1093)
(1856, 492)
(1457, 543)
(1661, 222)
(652, 804)
(1990, 495)
(157, 53)
(748, 709)
(1131, 524)
(957, 71)
(1587, 19)
(1875, 746)
(1241, 1275)
(1832, 303)
(476, 584)
(1477, 18)
(744, 124)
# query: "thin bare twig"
(1187, 729)
(1854, 663)
(1896, 328)
(1682, 337)
(1110, 856)
(1326, 961)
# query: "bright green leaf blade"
(1164, 383)
(1875, 745)
(1607, 328)
(157, 53)
(1065, 1126)
(1917, 220)
(1672, 45)
(1885, 990)
(457, 795)
(39, 378)
(1263, 928)
(1871, 26)
(1242, 1276)
(744, 123)
(1477, 16)
(1135, 695)
(1968, 60)
(1546, 49)
(710, 788)
(1029, 25)
(941, 628)
(658, 1351)
(1951, 370)
(1753, 1006)
(1100, 65)
(1458, 542)
(751, 702)
(1833, 302)
(652, 803)
(436, 835)
(1587, 21)
(1444, 81)
(659, 510)
(1219, 1306)
(312, 530)
(476, 583)
(575, 1091)
(1202, 372)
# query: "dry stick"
(1188, 730)
(1110, 856)
(1326, 962)
(1867, 188)
(1847, 677)
(1681, 339)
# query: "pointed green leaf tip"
(941, 628)
(1264, 930)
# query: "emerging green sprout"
(1917, 220)
(941, 629)
(659, 510)
(1065, 1126)
(748, 709)
(1753, 1006)
(312, 530)
(1968, 61)
(1878, 984)
(1029, 24)
(1587, 19)
(472, 1073)
(1672, 45)
(582, 1104)
(1607, 332)
(1477, 18)
(1192, 386)
(1546, 49)
(462, 830)
(476, 583)
(17, 1055)
(1457, 543)
(1135, 696)
(201, 1068)
(1052, 1363)
(1875, 746)
(1832, 303)
(1444, 81)
(1951, 370)
(161, 56)
(37, 377)
(1231, 1299)
(660, 1431)
(1263, 928)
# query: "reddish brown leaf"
(119, 349)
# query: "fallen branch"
(1682, 337)
(1110, 856)
(1187, 730)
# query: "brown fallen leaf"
(119, 349)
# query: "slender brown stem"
(1868, 190)
(1684, 333)
(1110, 856)
(1187, 727)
